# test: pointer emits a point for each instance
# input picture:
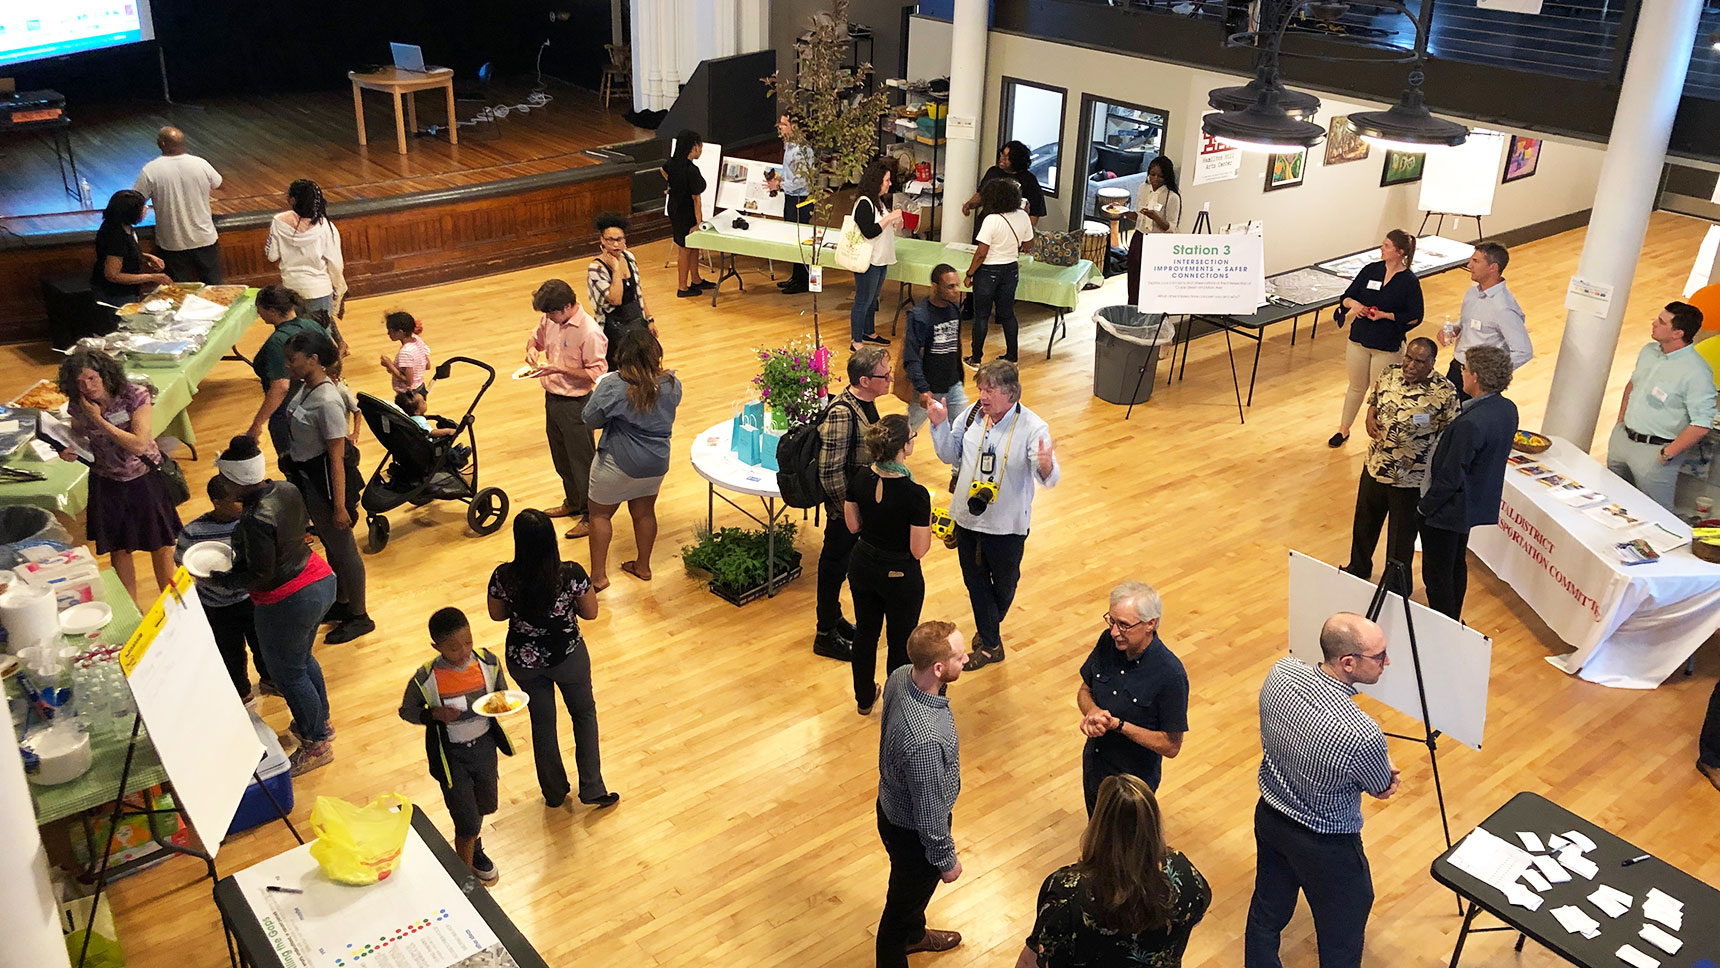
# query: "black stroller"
(418, 468)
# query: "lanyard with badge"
(981, 493)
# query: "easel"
(121, 809)
(1395, 581)
(1439, 225)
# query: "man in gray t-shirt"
(179, 183)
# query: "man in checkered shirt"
(1320, 754)
(919, 775)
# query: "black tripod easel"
(121, 809)
(1395, 581)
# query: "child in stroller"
(440, 428)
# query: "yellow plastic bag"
(360, 845)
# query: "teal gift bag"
(747, 444)
(768, 442)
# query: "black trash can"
(24, 526)
(1126, 344)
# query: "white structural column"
(967, 99)
(1629, 179)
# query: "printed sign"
(1202, 274)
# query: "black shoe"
(336, 614)
(482, 865)
(689, 292)
(1009, 358)
(845, 628)
(983, 655)
(554, 802)
(350, 629)
(1337, 440)
(704, 285)
(832, 646)
(973, 361)
(609, 799)
(794, 289)
(875, 339)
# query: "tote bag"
(853, 249)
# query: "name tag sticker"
(454, 702)
(1475, 324)
(1658, 394)
(1374, 284)
(1421, 419)
(119, 418)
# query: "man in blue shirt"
(1668, 406)
(797, 159)
(1006, 449)
(1133, 696)
(1319, 754)
(1490, 315)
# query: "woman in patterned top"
(542, 598)
(1129, 900)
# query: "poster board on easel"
(1456, 659)
(744, 186)
(1461, 180)
(710, 165)
(197, 724)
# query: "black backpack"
(797, 462)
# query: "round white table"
(714, 459)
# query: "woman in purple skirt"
(130, 509)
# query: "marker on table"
(1635, 860)
(277, 889)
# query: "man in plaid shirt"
(842, 450)
(919, 776)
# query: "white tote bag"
(853, 248)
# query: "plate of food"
(503, 702)
(524, 372)
(45, 395)
(221, 295)
(1530, 442)
(206, 558)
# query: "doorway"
(1119, 140)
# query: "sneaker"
(936, 941)
(972, 362)
(311, 757)
(482, 865)
(875, 339)
(609, 799)
(704, 285)
(983, 655)
(832, 646)
(298, 738)
(688, 293)
(350, 629)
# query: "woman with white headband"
(291, 587)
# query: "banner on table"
(1569, 585)
(1219, 274)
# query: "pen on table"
(1639, 858)
(277, 889)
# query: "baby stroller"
(418, 468)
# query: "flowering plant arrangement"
(793, 381)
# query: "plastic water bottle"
(86, 194)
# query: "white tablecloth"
(715, 460)
(1631, 625)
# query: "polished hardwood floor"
(260, 145)
(745, 835)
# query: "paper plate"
(516, 701)
(86, 618)
(522, 373)
(207, 558)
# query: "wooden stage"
(514, 192)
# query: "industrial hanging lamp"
(1295, 103)
(1408, 125)
(1264, 125)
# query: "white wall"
(1336, 210)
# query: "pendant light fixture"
(1408, 125)
(1295, 103)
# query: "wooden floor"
(746, 834)
(260, 145)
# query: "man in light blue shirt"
(1006, 448)
(1669, 405)
(797, 159)
(1490, 315)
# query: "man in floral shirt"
(1408, 407)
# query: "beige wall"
(1335, 210)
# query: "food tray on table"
(43, 395)
(1530, 442)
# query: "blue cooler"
(254, 807)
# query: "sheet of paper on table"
(1612, 902)
(1660, 939)
(417, 918)
(1531, 842)
(1572, 919)
(1664, 908)
(1577, 864)
(1551, 870)
(1489, 859)
(1636, 959)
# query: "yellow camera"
(943, 526)
(980, 496)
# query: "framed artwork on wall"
(1522, 159)
(1343, 143)
(1285, 170)
(1402, 167)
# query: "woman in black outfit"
(893, 517)
(1012, 161)
(122, 269)
(542, 598)
(686, 208)
(1385, 299)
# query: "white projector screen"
(1455, 660)
(1461, 180)
(39, 29)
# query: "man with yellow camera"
(1001, 452)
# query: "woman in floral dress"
(542, 598)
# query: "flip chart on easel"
(1455, 659)
(196, 722)
(1461, 180)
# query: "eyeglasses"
(879, 376)
(1122, 626)
(1379, 656)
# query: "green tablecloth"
(66, 489)
(107, 748)
(1058, 286)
